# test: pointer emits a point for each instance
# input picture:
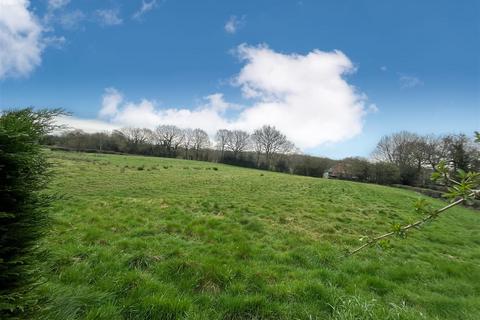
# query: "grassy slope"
(180, 239)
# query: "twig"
(412, 225)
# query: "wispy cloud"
(57, 4)
(234, 23)
(146, 7)
(408, 81)
(72, 20)
(108, 17)
(383, 68)
(372, 108)
(56, 42)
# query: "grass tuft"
(140, 262)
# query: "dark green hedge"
(24, 172)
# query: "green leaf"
(436, 176)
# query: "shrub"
(385, 173)
(24, 172)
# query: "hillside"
(153, 238)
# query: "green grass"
(151, 238)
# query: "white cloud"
(407, 81)
(147, 114)
(383, 68)
(108, 17)
(233, 24)
(20, 39)
(110, 102)
(304, 96)
(87, 125)
(146, 6)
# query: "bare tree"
(435, 150)
(170, 137)
(257, 147)
(395, 148)
(237, 141)
(135, 136)
(200, 140)
(100, 138)
(221, 138)
(404, 149)
(288, 148)
(270, 141)
(187, 140)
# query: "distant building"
(339, 171)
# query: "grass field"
(152, 238)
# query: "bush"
(385, 173)
(24, 172)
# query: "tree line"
(409, 159)
(401, 158)
(266, 148)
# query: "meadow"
(153, 238)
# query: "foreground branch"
(413, 225)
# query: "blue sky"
(415, 65)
